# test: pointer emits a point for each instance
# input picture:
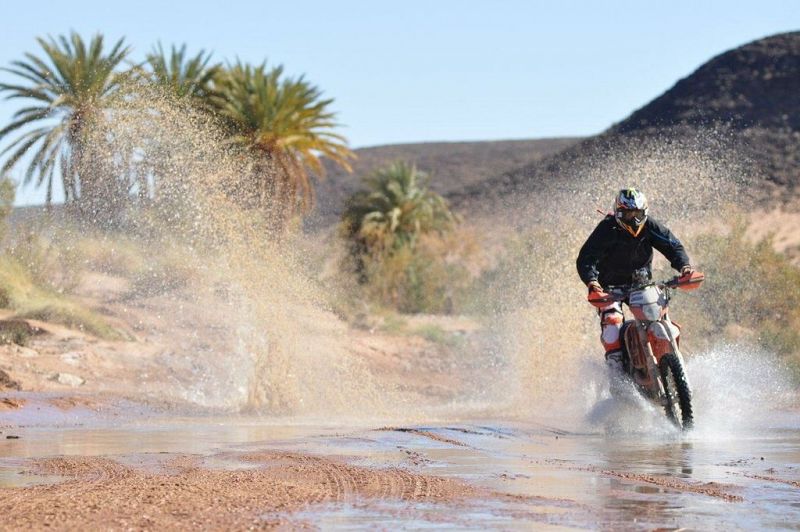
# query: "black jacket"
(611, 254)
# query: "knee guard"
(611, 323)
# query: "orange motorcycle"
(651, 343)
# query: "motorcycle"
(652, 358)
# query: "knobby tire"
(677, 386)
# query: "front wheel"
(678, 405)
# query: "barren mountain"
(745, 101)
(755, 85)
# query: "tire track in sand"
(426, 434)
(338, 481)
(793, 483)
(100, 493)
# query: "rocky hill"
(745, 101)
(755, 85)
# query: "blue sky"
(448, 70)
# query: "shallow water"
(747, 480)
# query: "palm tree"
(182, 76)
(394, 211)
(7, 193)
(70, 87)
(285, 127)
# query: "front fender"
(661, 339)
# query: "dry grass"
(749, 286)
(435, 277)
(20, 292)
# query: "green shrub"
(15, 331)
(394, 324)
(437, 335)
(401, 249)
(394, 210)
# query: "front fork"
(656, 386)
(675, 349)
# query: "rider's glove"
(689, 279)
(597, 296)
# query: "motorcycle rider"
(622, 243)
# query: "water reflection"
(630, 496)
(177, 436)
(673, 458)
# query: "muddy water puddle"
(527, 474)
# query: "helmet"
(630, 210)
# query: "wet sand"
(182, 491)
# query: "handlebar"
(611, 294)
(683, 282)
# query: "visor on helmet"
(635, 216)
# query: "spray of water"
(736, 390)
(740, 388)
(256, 333)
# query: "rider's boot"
(614, 361)
(616, 373)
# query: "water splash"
(737, 390)
(740, 388)
(245, 327)
(250, 329)
(550, 337)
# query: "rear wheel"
(678, 406)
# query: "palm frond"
(71, 80)
(181, 75)
(21, 150)
(286, 122)
(394, 210)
